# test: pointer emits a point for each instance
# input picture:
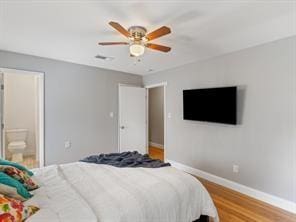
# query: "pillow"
(12, 210)
(20, 176)
(12, 188)
(16, 165)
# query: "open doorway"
(22, 117)
(156, 121)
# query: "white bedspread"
(90, 192)
(57, 200)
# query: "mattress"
(80, 192)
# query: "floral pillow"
(12, 210)
(19, 175)
(12, 188)
(16, 165)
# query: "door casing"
(41, 145)
(164, 85)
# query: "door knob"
(122, 127)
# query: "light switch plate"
(67, 144)
(235, 168)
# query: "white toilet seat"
(17, 145)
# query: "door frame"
(41, 104)
(118, 121)
(147, 87)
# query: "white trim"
(265, 197)
(129, 85)
(164, 85)
(156, 85)
(19, 71)
(165, 121)
(157, 145)
(41, 103)
(147, 121)
(41, 126)
(2, 151)
(118, 120)
(37, 113)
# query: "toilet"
(16, 145)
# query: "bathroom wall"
(20, 101)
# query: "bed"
(87, 192)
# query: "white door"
(132, 119)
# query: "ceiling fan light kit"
(136, 49)
(138, 39)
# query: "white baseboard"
(160, 146)
(265, 197)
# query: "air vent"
(107, 58)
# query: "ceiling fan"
(139, 39)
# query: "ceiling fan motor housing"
(137, 32)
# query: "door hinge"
(2, 125)
(2, 86)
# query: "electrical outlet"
(111, 114)
(235, 168)
(67, 144)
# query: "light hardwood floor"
(29, 161)
(236, 207)
(156, 153)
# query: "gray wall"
(264, 144)
(21, 93)
(78, 100)
(156, 124)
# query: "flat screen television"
(211, 105)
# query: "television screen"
(210, 105)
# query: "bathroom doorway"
(22, 117)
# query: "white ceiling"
(70, 30)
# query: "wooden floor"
(29, 161)
(156, 153)
(236, 207)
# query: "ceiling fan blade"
(113, 43)
(120, 29)
(158, 33)
(158, 47)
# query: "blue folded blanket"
(126, 159)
